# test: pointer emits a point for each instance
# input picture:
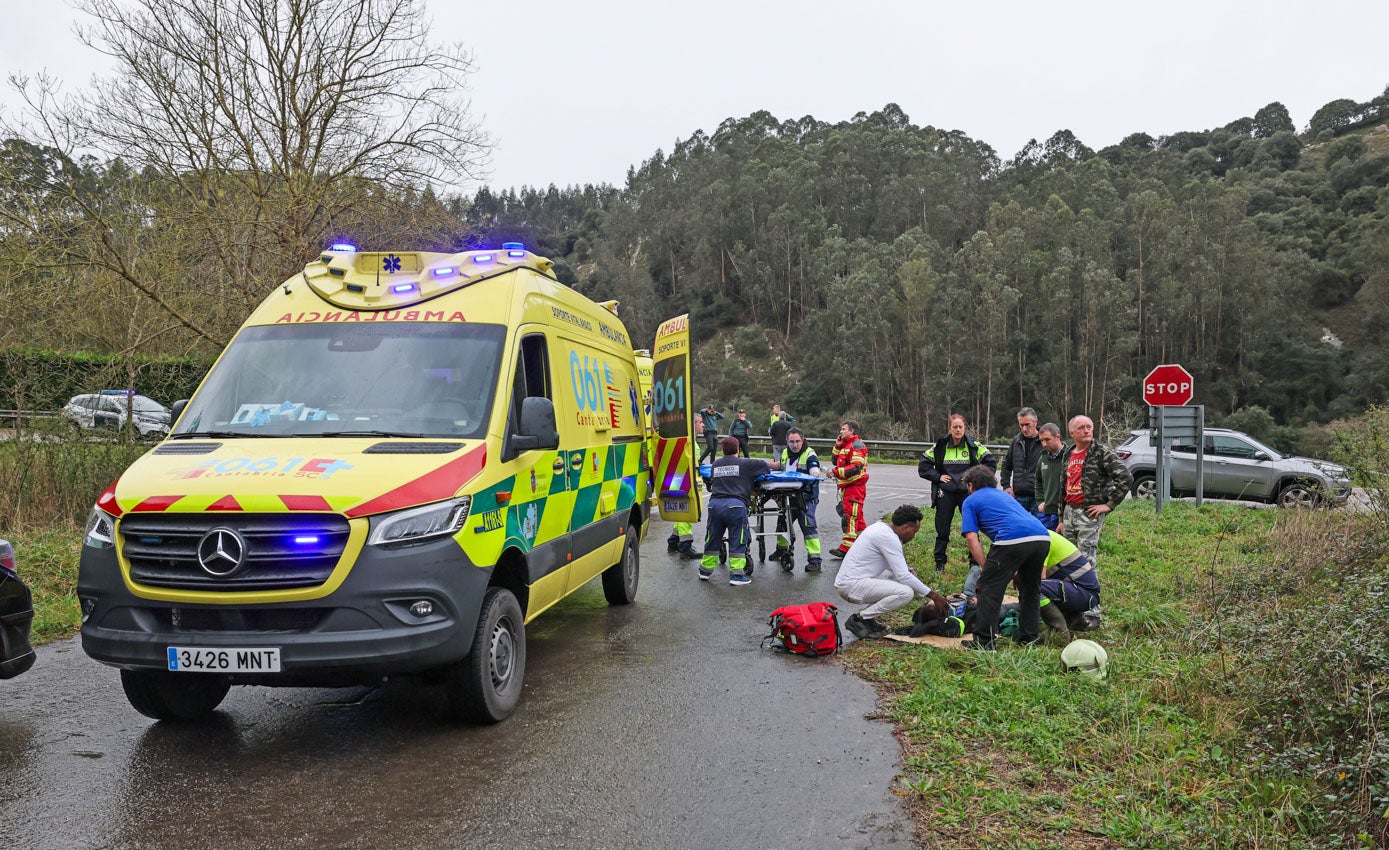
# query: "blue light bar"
(514, 249)
(306, 539)
(403, 287)
(483, 258)
(446, 271)
(346, 247)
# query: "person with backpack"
(943, 465)
(876, 572)
(798, 456)
(1018, 547)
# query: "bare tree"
(249, 132)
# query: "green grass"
(1006, 750)
(47, 562)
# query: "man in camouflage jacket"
(1095, 481)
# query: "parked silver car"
(108, 409)
(1237, 466)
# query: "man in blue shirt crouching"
(1019, 545)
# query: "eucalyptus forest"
(874, 267)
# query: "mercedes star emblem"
(221, 552)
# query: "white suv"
(108, 409)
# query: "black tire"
(174, 696)
(1299, 494)
(1145, 486)
(486, 686)
(620, 580)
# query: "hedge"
(40, 379)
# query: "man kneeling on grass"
(1019, 547)
(875, 571)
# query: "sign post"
(1167, 390)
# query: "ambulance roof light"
(514, 249)
(346, 247)
(483, 258)
(403, 287)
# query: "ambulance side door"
(538, 516)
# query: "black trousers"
(1025, 560)
(947, 505)
(711, 445)
(742, 445)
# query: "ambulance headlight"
(101, 530)
(416, 525)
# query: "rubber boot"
(1052, 616)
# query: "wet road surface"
(660, 724)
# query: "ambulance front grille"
(279, 551)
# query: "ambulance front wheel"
(485, 686)
(174, 696)
(620, 580)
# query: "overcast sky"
(577, 92)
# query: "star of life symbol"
(391, 264)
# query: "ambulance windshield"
(406, 379)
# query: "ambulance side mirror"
(538, 430)
(176, 410)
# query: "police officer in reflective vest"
(798, 456)
(943, 465)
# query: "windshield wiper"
(220, 435)
(364, 433)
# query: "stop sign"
(1167, 384)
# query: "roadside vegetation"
(1244, 706)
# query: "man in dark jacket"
(1017, 472)
(710, 417)
(778, 432)
(943, 465)
(1096, 481)
(740, 429)
(1051, 477)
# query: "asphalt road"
(660, 724)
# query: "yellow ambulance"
(399, 461)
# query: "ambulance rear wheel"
(485, 686)
(174, 696)
(620, 580)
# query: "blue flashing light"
(483, 258)
(306, 539)
(346, 247)
(514, 249)
(446, 271)
(403, 287)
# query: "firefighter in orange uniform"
(851, 474)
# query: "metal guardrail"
(12, 415)
(890, 448)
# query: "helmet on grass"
(1085, 657)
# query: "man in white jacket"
(875, 572)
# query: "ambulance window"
(533, 372)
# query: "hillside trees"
(910, 275)
(236, 137)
